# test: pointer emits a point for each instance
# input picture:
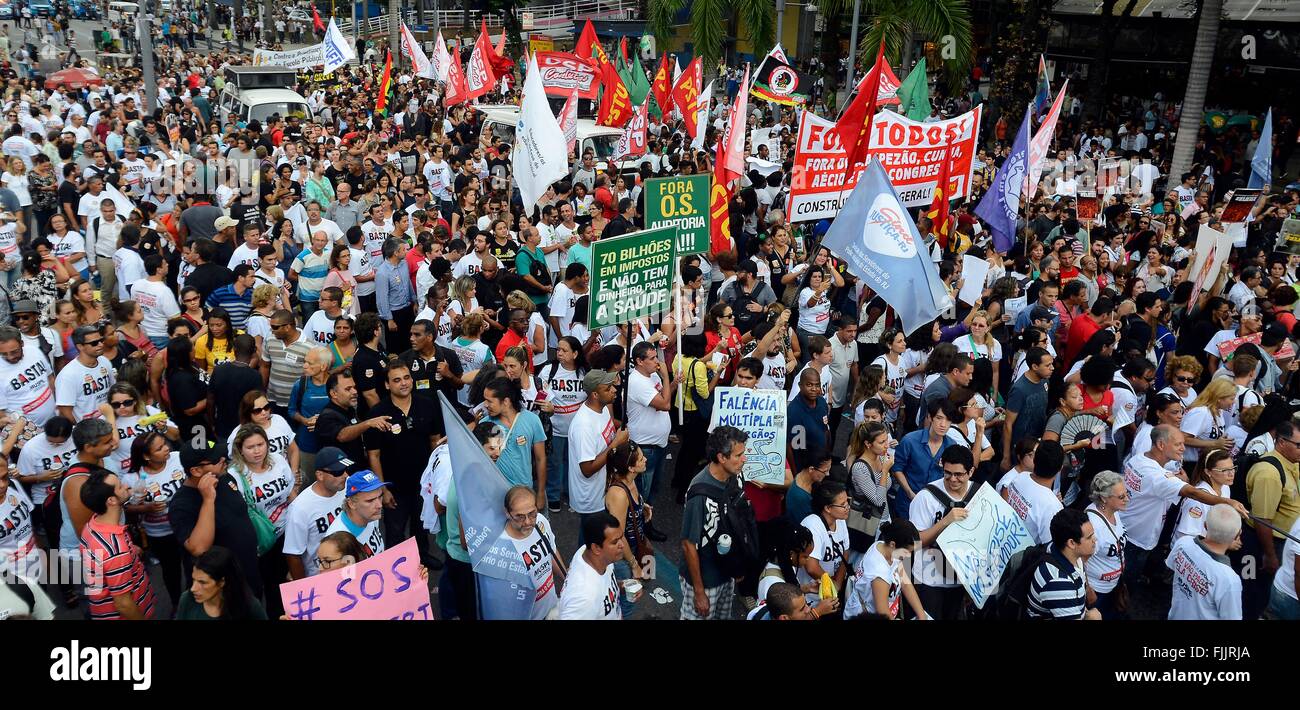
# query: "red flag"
(686, 95)
(662, 86)
(457, 87)
(938, 212)
(720, 217)
(731, 152)
(615, 102)
(316, 22)
(501, 64)
(589, 45)
(855, 123)
(622, 48)
(479, 75)
(385, 85)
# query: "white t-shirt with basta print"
(307, 520)
(589, 594)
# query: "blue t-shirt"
(516, 460)
(807, 427)
(913, 459)
(313, 400)
(798, 504)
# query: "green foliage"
(756, 20)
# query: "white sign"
(304, 58)
(761, 414)
(974, 271)
(980, 546)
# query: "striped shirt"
(286, 366)
(1056, 593)
(113, 566)
(312, 269)
(238, 306)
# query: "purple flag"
(1001, 204)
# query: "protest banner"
(769, 137)
(1087, 205)
(1228, 347)
(562, 72)
(910, 151)
(1240, 202)
(681, 202)
(386, 586)
(979, 547)
(761, 414)
(304, 58)
(1288, 240)
(632, 276)
(1212, 249)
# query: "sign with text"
(1212, 250)
(562, 72)
(761, 414)
(1240, 202)
(681, 202)
(632, 276)
(1229, 347)
(386, 586)
(980, 546)
(305, 58)
(910, 151)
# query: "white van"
(255, 93)
(123, 11)
(603, 140)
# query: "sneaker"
(553, 506)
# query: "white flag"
(337, 50)
(441, 59)
(569, 120)
(411, 48)
(703, 117)
(539, 157)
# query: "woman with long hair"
(187, 392)
(258, 324)
(128, 316)
(38, 283)
(43, 184)
(623, 500)
(124, 411)
(192, 308)
(537, 327)
(981, 344)
(256, 409)
(535, 396)
(218, 590)
(920, 346)
(829, 525)
(471, 349)
(69, 245)
(722, 336)
(1214, 473)
(1205, 424)
(789, 554)
(266, 480)
(881, 581)
(869, 461)
(154, 473)
(895, 371)
(339, 277)
(82, 295)
(1164, 408)
(562, 380)
(212, 344)
(463, 301)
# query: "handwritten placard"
(980, 546)
(761, 414)
(386, 586)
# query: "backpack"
(735, 519)
(948, 503)
(50, 508)
(1245, 462)
(1011, 600)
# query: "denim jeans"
(557, 469)
(1281, 606)
(654, 464)
(622, 571)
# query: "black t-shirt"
(230, 381)
(505, 253)
(210, 277)
(225, 250)
(428, 380)
(185, 390)
(368, 370)
(330, 423)
(69, 195)
(292, 132)
(404, 455)
(409, 161)
(233, 530)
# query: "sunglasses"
(1185, 379)
(262, 409)
(124, 403)
(92, 343)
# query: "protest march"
(461, 327)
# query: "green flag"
(634, 79)
(914, 94)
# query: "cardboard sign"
(681, 202)
(761, 414)
(910, 151)
(632, 276)
(979, 547)
(1228, 347)
(1212, 249)
(386, 586)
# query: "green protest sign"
(632, 276)
(682, 202)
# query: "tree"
(1198, 80)
(1111, 23)
(707, 27)
(897, 22)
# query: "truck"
(257, 93)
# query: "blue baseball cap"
(363, 482)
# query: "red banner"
(563, 72)
(911, 152)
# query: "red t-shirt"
(1083, 328)
(113, 566)
(1107, 400)
(511, 339)
(766, 501)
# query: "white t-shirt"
(774, 375)
(128, 430)
(319, 329)
(157, 303)
(435, 482)
(360, 265)
(824, 373)
(967, 344)
(829, 548)
(467, 265)
(306, 522)
(279, 436)
(1285, 579)
(371, 536)
(40, 456)
(564, 387)
(646, 425)
(1107, 563)
(375, 236)
(25, 386)
(1204, 588)
(928, 565)
(156, 488)
(871, 566)
(70, 243)
(17, 543)
(1151, 491)
(895, 376)
(561, 308)
(816, 317)
(1034, 505)
(1192, 512)
(590, 433)
(245, 254)
(84, 388)
(271, 488)
(130, 269)
(1200, 423)
(589, 594)
(537, 554)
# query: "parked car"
(6, 12)
(41, 8)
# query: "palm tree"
(1198, 79)
(898, 21)
(707, 28)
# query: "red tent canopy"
(73, 79)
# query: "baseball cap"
(224, 222)
(332, 459)
(363, 482)
(1040, 312)
(25, 306)
(595, 378)
(191, 457)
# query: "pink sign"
(386, 586)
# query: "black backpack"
(1245, 462)
(735, 518)
(1011, 600)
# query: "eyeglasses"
(124, 403)
(193, 299)
(277, 326)
(841, 506)
(1185, 379)
(956, 474)
(1289, 441)
(1229, 469)
(524, 517)
(1122, 496)
(24, 316)
(728, 315)
(92, 343)
(323, 562)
